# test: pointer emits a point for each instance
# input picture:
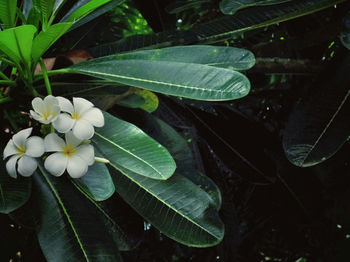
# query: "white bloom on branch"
(80, 117)
(23, 151)
(72, 154)
(45, 111)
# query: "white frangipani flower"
(23, 151)
(45, 111)
(72, 154)
(80, 117)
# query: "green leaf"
(230, 7)
(70, 227)
(218, 56)
(143, 99)
(97, 182)
(45, 7)
(96, 13)
(16, 43)
(194, 81)
(176, 207)
(83, 10)
(124, 144)
(14, 193)
(8, 12)
(44, 40)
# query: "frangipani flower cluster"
(74, 154)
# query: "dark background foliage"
(272, 210)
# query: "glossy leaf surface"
(172, 78)
(126, 145)
(230, 7)
(8, 12)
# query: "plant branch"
(46, 77)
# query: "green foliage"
(230, 7)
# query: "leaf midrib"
(129, 152)
(169, 206)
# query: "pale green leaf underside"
(44, 40)
(218, 56)
(188, 80)
(16, 42)
(177, 207)
(230, 7)
(13, 192)
(125, 144)
(86, 9)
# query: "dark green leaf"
(230, 7)
(177, 207)
(70, 229)
(124, 144)
(319, 124)
(13, 192)
(218, 56)
(193, 81)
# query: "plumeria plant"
(64, 157)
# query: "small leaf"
(230, 7)
(97, 182)
(193, 81)
(84, 9)
(177, 207)
(45, 7)
(8, 12)
(218, 56)
(125, 144)
(16, 43)
(14, 193)
(44, 40)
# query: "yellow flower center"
(46, 115)
(76, 116)
(68, 150)
(21, 150)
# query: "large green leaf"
(125, 144)
(8, 12)
(218, 56)
(177, 207)
(229, 7)
(70, 227)
(97, 182)
(47, 38)
(16, 43)
(172, 78)
(319, 124)
(182, 153)
(13, 192)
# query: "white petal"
(63, 123)
(11, 166)
(72, 140)
(81, 105)
(55, 111)
(94, 116)
(38, 105)
(83, 129)
(50, 101)
(76, 167)
(36, 116)
(27, 165)
(20, 138)
(53, 143)
(35, 146)
(86, 152)
(65, 104)
(10, 149)
(56, 164)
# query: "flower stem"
(7, 82)
(102, 160)
(4, 76)
(46, 77)
(52, 73)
